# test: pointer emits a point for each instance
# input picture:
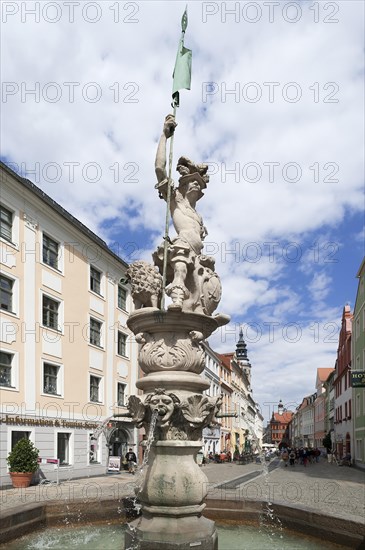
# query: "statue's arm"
(160, 162)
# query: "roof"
(284, 417)
(323, 373)
(61, 211)
(361, 268)
(226, 359)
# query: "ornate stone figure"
(146, 284)
(193, 285)
(172, 359)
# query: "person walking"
(285, 457)
(131, 460)
(305, 456)
(292, 457)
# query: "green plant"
(327, 441)
(23, 457)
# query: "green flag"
(182, 70)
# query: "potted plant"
(23, 462)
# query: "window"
(63, 448)
(122, 298)
(50, 251)
(50, 313)
(6, 223)
(94, 451)
(17, 436)
(122, 344)
(5, 368)
(95, 332)
(95, 280)
(358, 449)
(6, 293)
(350, 411)
(121, 394)
(95, 389)
(50, 379)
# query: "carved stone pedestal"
(173, 487)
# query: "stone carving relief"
(171, 351)
(178, 418)
(146, 284)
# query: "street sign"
(358, 379)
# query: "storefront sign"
(114, 464)
(358, 379)
(52, 423)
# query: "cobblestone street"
(321, 487)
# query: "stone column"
(173, 486)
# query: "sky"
(275, 109)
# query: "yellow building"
(67, 358)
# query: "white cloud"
(319, 286)
(322, 140)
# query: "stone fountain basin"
(26, 519)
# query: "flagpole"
(167, 219)
(175, 103)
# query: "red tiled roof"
(285, 417)
(226, 359)
(323, 374)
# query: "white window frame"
(102, 326)
(126, 309)
(60, 312)
(14, 371)
(125, 393)
(99, 455)
(102, 281)
(60, 258)
(126, 356)
(60, 379)
(100, 387)
(15, 225)
(71, 447)
(15, 295)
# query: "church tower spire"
(241, 356)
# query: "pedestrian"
(305, 456)
(329, 456)
(131, 460)
(285, 456)
(317, 454)
(292, 457)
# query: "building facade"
(307, 411)
(279, 426)
(358, 370)
(320, 407)
(67, 359)
(343, 387)
(212, 434)
(329, 420)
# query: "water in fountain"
(140, 475)
(269, 522)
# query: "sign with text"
(114, 464)
(358, 379)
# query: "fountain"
(173, 486)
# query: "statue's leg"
(177, 289)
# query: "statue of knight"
(192, 283)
